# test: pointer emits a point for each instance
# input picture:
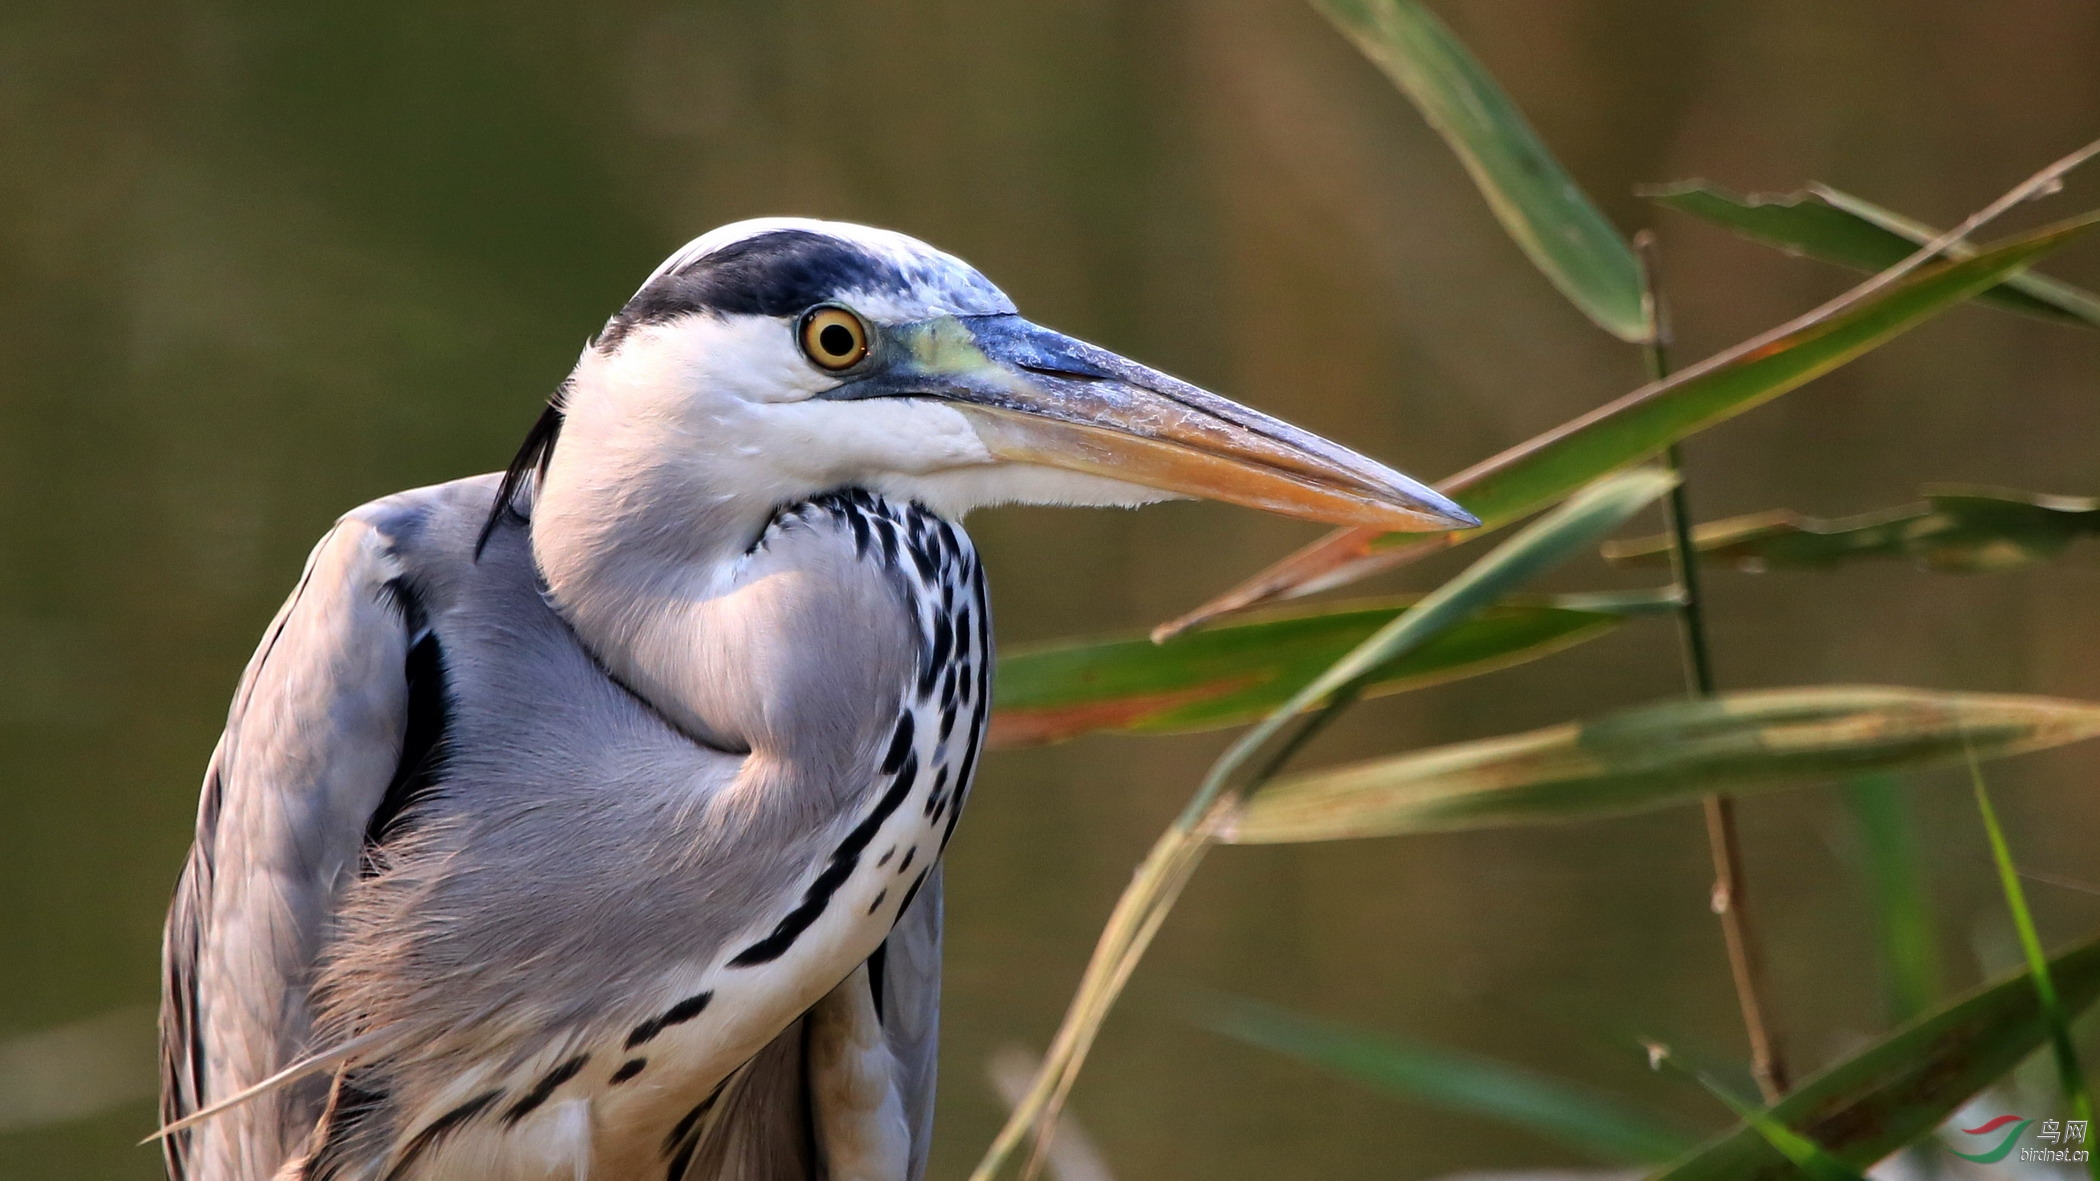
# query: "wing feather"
(855, 1074)
(311, 744)
(911, 1011)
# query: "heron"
(585, 819)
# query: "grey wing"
(911, 1011)
(313, 744)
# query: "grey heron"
(585, 820)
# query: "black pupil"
(835, 339)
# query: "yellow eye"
(833, 337)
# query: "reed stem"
(1730, 899)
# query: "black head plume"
(530, 463)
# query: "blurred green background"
(260, 263)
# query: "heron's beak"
(1037, 396)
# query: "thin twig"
(1129, 931)
(1730, 898)
(1072, 1155)
(2059, 880)
(1731, 904)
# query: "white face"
(731, 404)
(714, 389)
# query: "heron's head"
(772, 360)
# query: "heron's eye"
(833, 337)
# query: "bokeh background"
(262, 262)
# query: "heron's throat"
(745, 620)
(644, 566)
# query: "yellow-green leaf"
(1654, 755)
(1954, 530)
(1238, 671)
(2070, 1074)
(1533, 197)
(1525, 478)
(1824, 223)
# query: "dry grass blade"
(1071, 1155)
(1153, 890)
(75, 1071)
(1652, 756)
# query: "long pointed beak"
(1037, 396)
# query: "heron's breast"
(653, 1082)
(667, 1081)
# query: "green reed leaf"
(1806, 1155)
(1644, 422)
(1902, 1088)
(1582, 1118)
(1538, 204)
(1896, 884)
(1536, 473)
(2066, 1053)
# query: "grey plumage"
(576, 850)
(586, 821)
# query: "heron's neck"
(648, 497)
(639, 539)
